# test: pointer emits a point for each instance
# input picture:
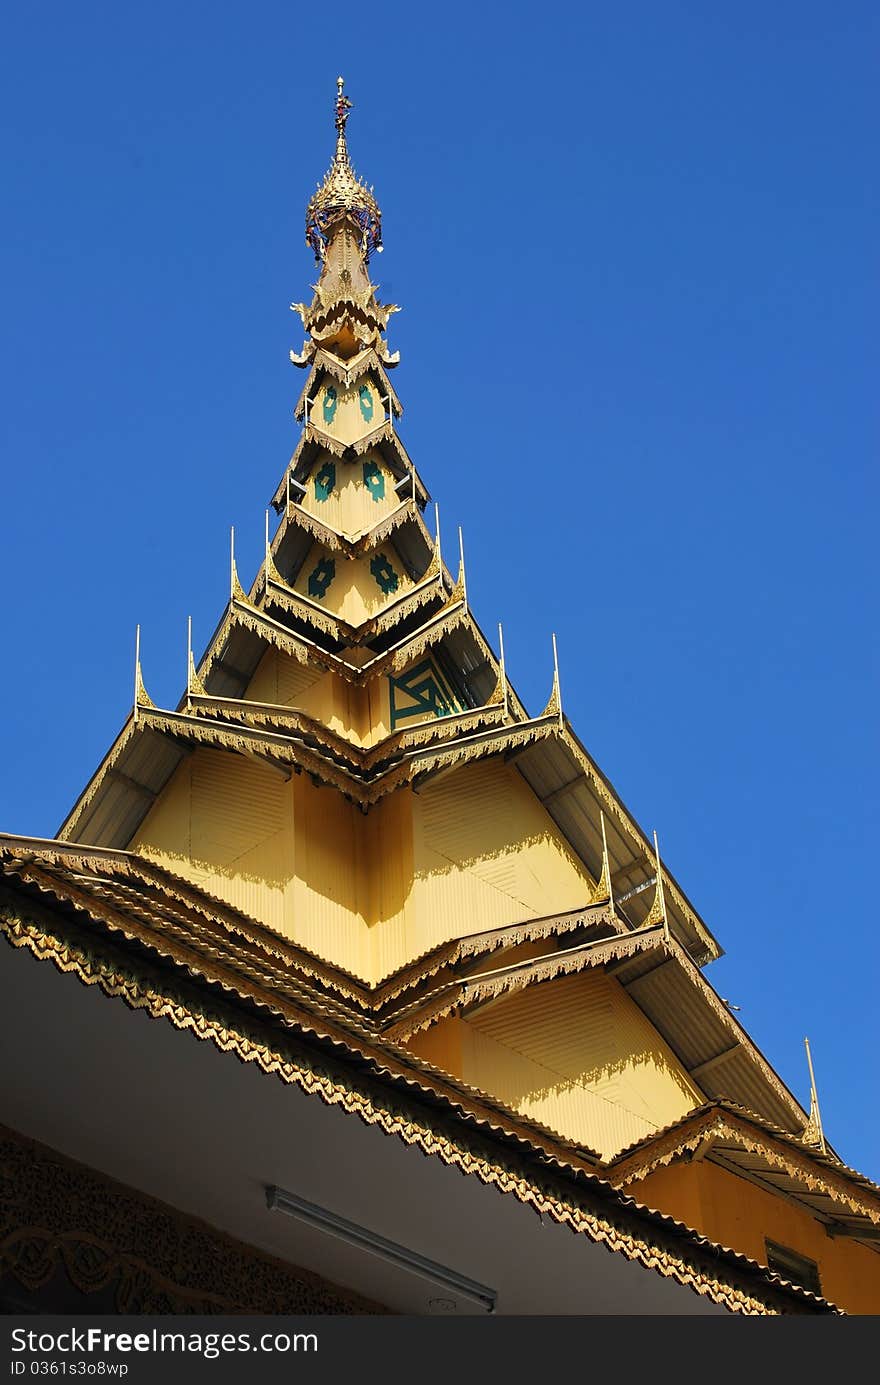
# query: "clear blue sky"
(636, 249)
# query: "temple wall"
(354, 593)
(362, 491)
(368, 892)
(484, 854)
(282, 680)
(735, 1212)
(281, 851)
(575, 1054)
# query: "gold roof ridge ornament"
(194, 685)
(461, 581)
(657, 912)
(141, 696)
(603, 893)
(236, 590)
(502, 674)
(438, 551)
(813, 1133)
(554, 705)
(343, 195)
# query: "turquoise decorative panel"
(420, 692)
(374, 480)
(386, 578)
(366, 402)
(321, 576)
(330, 402)
(325, 480)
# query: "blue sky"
(635, 248)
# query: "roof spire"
(343, 196)
(813, 1133)
(343, 106)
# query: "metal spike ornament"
(657, 913)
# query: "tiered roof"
(353, 589)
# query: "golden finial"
(141, 696)
(557, 686)
(194, 685)
(343, 195)
(603, 893)
(657, 912)
(813, 1133)
(554, 705)
(343, 106)
(462, 579)
(502, 669)
(236, 591)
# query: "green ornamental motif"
(419, 693)
(330, 402)
(384, 574)
(366, 402)
(325, 480)
(374, 480)
(321, 577)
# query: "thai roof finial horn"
(137, 668)
(194, 685)
(462, 579)
(657, 913)
(660, 893)
(557, 686)
(236, 591)
(605, 884)
(189, 660)
(502, 668)
(141, 696)
(267, 563)
(438, 552)
(813, 1132)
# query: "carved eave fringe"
(427, 590)
(485, 943)
(348, 373)
(288, 754)
(447, 620)
(407, 512)
(564, 1198)
(118, 866)
(286, 722)
(214, 913)
(293, 604)
(440, 729)
(481, 746)
(775, 1147)
(462, 994)
(352, 545)
(348, 1039)
(314, 441)
(178, 940)
(322, 533)
(323, 320)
